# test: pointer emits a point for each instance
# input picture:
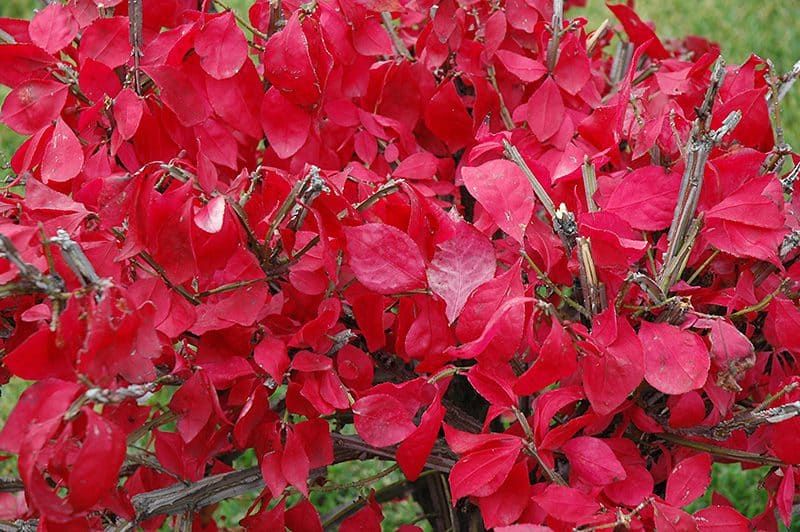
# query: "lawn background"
(769, 28)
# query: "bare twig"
(788, 81)
(135, 16)
(399, 46)
(589, 184)
(594, 294)
(530, 449)
(75, 258)
(505, 115)
(702, 140)
(513, 155)
(597, 35)
(556, 26)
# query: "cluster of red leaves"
(326, 214)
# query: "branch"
(182, 497)
(556, 27)
(136, 17)
(397, 42)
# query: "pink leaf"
(545, 110)
(385, 259)
(645, 198)
(128, 110)
(675, 361)
(53, 28)
(593, 461)
(689, 480)
(382, 420)
(222, 47)
(285, 124)
(524, 68)
(482, 472)
(95, 471)
(503, 190)
(33, 105)
(459, 266)
(63, 156)
(106, 41)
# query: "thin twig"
(513, 155)
(399, 46)
(556, 26)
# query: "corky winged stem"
(685, 227)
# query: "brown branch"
(136, 17)
(183, 497)
(399, 46)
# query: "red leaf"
(370, 38)
(635, 488)
(459, 266)
(368, 519)
(413, 452)
(749, 222)
(482, 472)
(573, 70)
(53, 28)
(385, 259)
(192, 404)
(33, 105)
(785, 496)
(567, 504)
(545, 110)
(128, 110)
(303, 516)
(721, 519)
(524, 68)
(639, 32)
(757, 127)
(484, 302)
(23, 62)
(285, 124)
(503, 190)
(557, 359)
(429, 336)
(288, 66)
(494, 326)
(669, 519)
(106, 41)
(63, 155)
(646, 198)
(732, 352)
(95, 471)
(222, 47)
(688, 480)
(614, 364)
(354, 367)
(382, 420)
(42, 401)
(294, 463)
(180, 94)
(447, 118)
(420, 165)
(592, 461)
(675, 361)
(506, 505)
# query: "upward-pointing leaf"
(502, 189)
(384, 258)
(459, 266)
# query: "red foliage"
(341, 215)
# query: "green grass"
(767, 29)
